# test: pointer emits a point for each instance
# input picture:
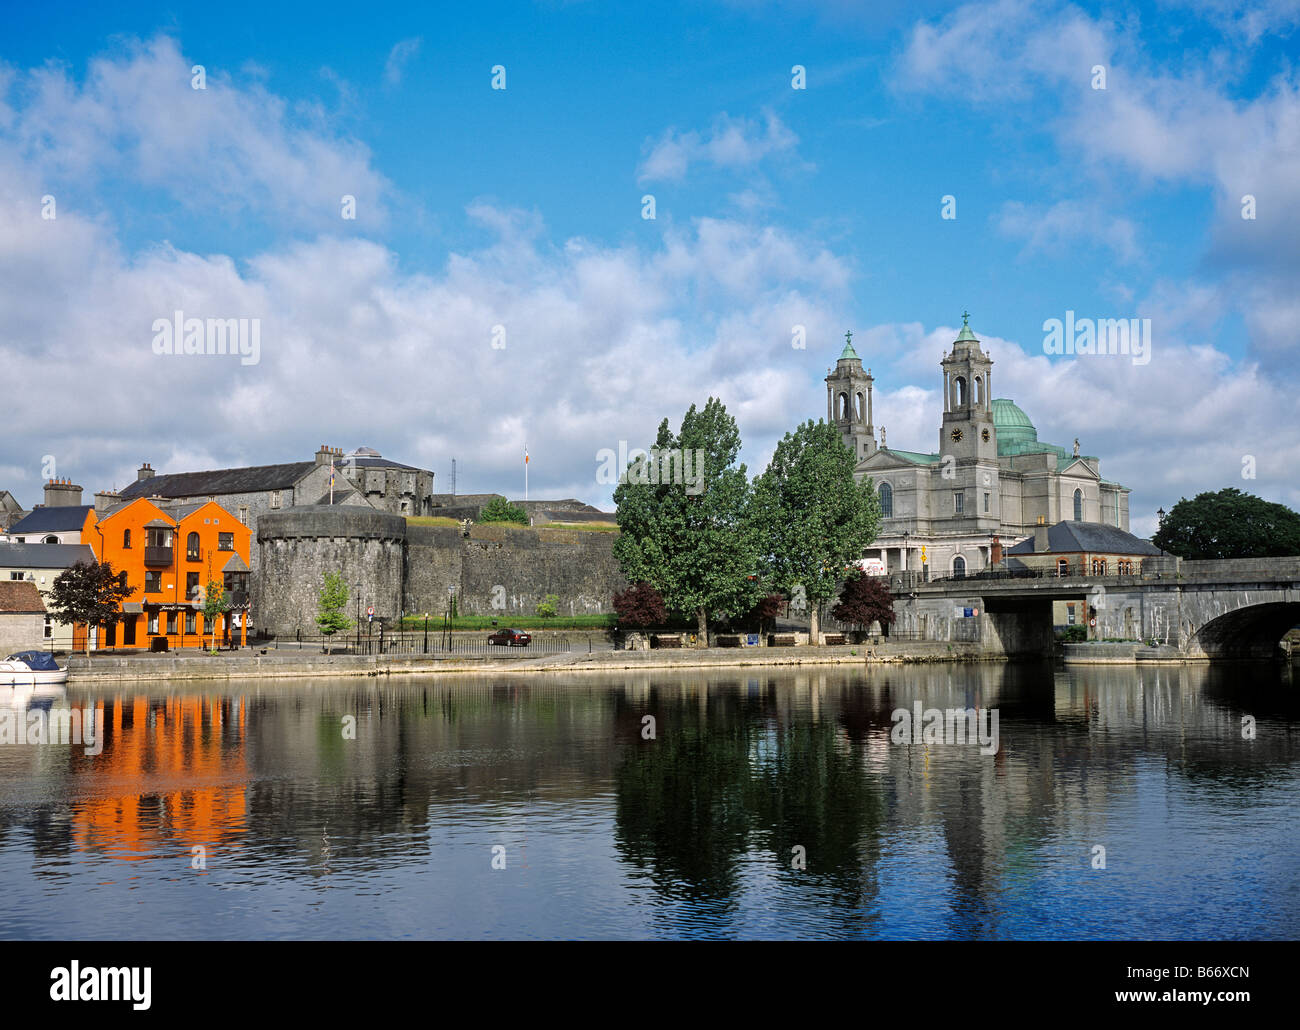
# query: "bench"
(664, 640)
(781, 640)
(833, 638)
(729, 640)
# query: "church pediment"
(1079, 467)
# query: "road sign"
(370, 611)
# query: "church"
(985, 488)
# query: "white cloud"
(731, 143)
(399, 57)
(1152, 123)
(1056, 229)
(234, 146)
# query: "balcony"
(238, 598)
(154, 555)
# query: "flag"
(525, 455)
(331, 475)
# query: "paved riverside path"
(250, 664)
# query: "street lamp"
(1160, 514)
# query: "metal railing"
(434, 644)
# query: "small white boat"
(31, 669)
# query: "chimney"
(144, 472)
(1041, 546)
(995, 552)
(324, 455)
(105, 499)
(61, 493)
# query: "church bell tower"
(967, 432)
(848, 401)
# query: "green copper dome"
(1016, 433)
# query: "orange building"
(168, 556)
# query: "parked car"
(510, 638)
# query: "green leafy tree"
(331, 605)
(811, 517)
(90, 594)
(500, 510)
(547, 609)
(691, 538)
(1229, 524)
(215, 604)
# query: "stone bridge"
(1204, 609)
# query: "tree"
(333, 600)
(547, 609)
(812, 518)
(682, 516)
(1229, 524)
(864, 600)
(500, 510)
(215, 604)
(641, 606)
(91, 594)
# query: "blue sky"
(522, 207)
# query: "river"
(1120, 802)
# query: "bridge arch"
(1253, 631)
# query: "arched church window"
(862, 408)
(979, 391)
(959, 392)
(844, 406)
(1078, 506)
(886, 501)
(959, 566)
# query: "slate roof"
(1067, 537)
(44, 556)
(222, 481)
(236, 564)
(383, 463)
(20, 598)
(346, 496)
(58, 519)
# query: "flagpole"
(525, 471)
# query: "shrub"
(500, 510)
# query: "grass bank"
(503, 621)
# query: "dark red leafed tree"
(640, 606)
(864, 600)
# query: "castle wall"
(297, 548)
(503, 570)
(403, 569)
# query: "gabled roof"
(345, 496)
(20, 597)
(236, 564)
(915, 457)
(223, 481)
(44, 556)
(1070, 537)
(57, 519)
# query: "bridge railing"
(1073, 570)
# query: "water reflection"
(770, 805)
